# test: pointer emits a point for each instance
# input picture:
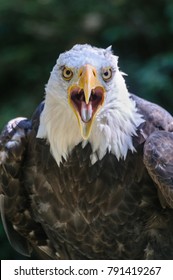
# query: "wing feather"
(23, 232)
(157, 135)
(12, 147)
(158, 158)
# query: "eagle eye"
(67, 73)
(107, 74)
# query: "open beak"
(86, 97)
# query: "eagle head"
(87, 101)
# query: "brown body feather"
(110, 210)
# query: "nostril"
(80, 73)
(94, 73)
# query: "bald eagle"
(90, 176)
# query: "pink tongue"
(86, 111)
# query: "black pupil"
(68, 72)
(106, 73)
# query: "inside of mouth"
(86, 111)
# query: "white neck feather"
(112, 131)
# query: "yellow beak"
(86, 97)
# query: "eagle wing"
(157, 134)
(12, 148)
(158, 158)
(23, 232)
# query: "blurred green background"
(34, 32)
